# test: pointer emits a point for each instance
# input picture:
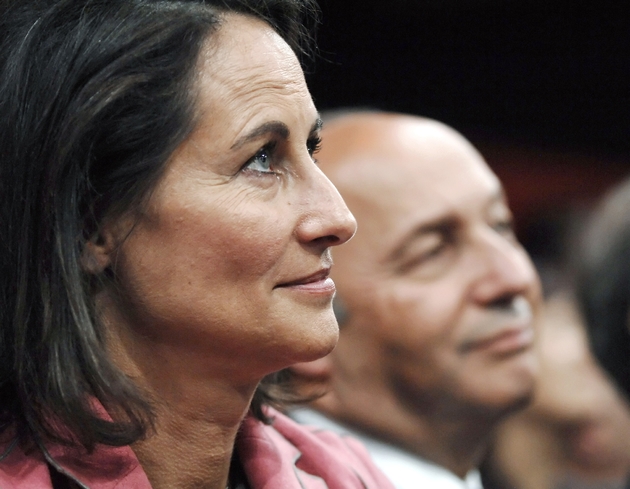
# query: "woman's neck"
(198, 402)
(196, 422)
(198, 410)
(185, 452)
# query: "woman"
(165, 246)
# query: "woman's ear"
(98, 252)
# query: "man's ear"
(98, 253)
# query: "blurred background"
(542, 88)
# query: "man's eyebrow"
(441, 226)
(278, 128)
(496, 197)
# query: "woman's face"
(229, 259)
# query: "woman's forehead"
(246, 50)
(248, 71)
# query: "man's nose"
(504, 269)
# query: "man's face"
(440, 294)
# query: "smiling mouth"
(512, 334)
(505, 342)
(319, 276)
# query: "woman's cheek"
(251, 242)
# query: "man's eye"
(261, 162)
(429, 263)
(427, 254)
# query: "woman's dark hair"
(604, 284)
(95, 95)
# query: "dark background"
(542, 88)
(552, 74)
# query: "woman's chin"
(313, 343)
(324, 337)
(322, 349)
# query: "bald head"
(395, 171)
(364, 145)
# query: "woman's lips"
(326, 286)
(318, 282)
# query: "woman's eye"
(261, 162)
(313, 145)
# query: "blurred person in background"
(576, 434)
(604, 284)
(436, 302)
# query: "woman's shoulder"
(19, 469)
(287, 454)
(53, 465)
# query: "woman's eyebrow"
(278, 128)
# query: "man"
(436, 300)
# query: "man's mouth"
(509, 332)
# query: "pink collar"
(284, 455)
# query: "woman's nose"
(327, 221)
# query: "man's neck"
(456, 443)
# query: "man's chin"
(506, 388)
(515, 390)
